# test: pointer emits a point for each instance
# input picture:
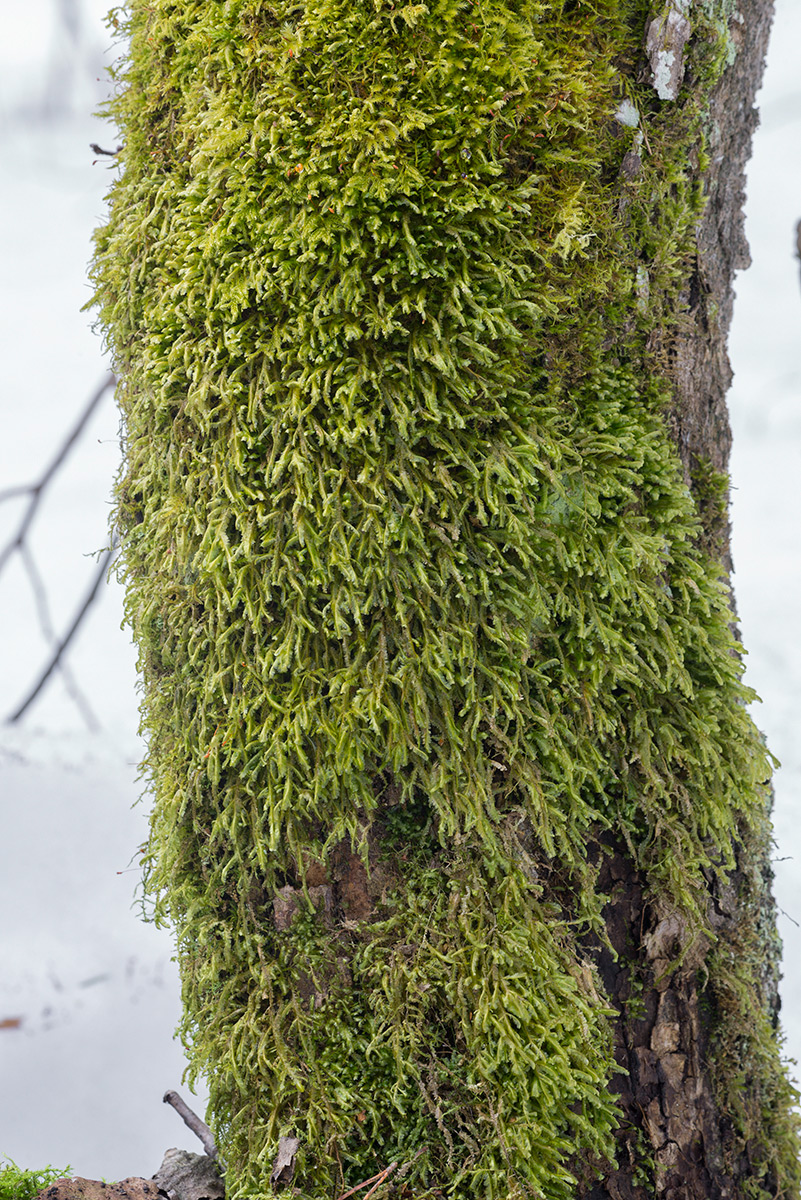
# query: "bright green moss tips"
(419, 591)
(17, 1184)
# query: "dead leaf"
(284, 1165)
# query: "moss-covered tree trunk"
(419, 313)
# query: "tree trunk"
(420, 316)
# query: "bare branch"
(21, 489)
(17, 542)
(193, 1121)
(39, 592)
(55, 660)
(46, 624)
(36, 490)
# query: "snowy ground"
(93, 987)
(765, 405)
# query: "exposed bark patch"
(661, 1037)
(288, 901)
(346, 890)
(667, 1016)
(701, 370)
(664, 43)
(354, 900)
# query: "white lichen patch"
(627, 114)
(642, 287)
(664, 43)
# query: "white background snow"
(81, 1078)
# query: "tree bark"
(420, 318)
(667, 1086)
(700, 369)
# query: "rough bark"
(666, 1086)
(700, 367)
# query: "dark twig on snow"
(198, 1127)
(36, 490)
(60, 649)
(18, 542)
(46, 625)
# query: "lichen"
(419, 590)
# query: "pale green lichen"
(400, 515)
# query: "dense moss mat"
(414, 573)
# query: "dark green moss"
(711, 493)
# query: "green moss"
(411, 566)
(750, 1080)
(711, 493)
(17, 1184)
(645, 1170)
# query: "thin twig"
(36, 490)
(198, 1127)
(386, 1175)
(46, 625)
(17, 542)
(60, 649)
(376, 1181)
(22, 489)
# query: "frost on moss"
(418, 588)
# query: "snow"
(765, 404)
(94, 987)
(84, 1076)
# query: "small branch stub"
(375, 1180)
(193, 1121)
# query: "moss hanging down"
(421, 597)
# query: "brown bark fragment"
(79, 1188)
(288, 903)
(284, 1165)
(353, 891)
